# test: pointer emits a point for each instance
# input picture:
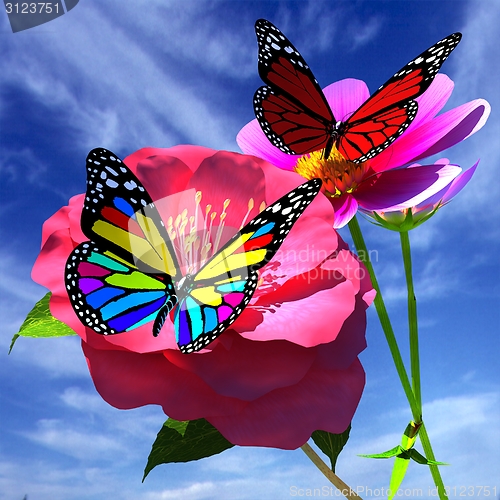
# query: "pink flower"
(288, 365)
(380, 184)
(409, 218)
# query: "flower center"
(339, 175)
(196, 238)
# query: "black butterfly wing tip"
(98, 152)
(261, 22)
(316, 183)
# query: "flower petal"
(404, 188)
(346, 96)
(128, 380)
(253, 141)
(449, 192)
(432, 137)
(345, 208)
(247, 370)
(303, 300)
(286, 418)
(432, 101)
(455, 126)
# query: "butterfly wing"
(122, 278)
(296, 118)
(218, 293)
(361, 140)
(120, 216)
(391, 109)
(287, 124)
(293, 111)
(110, 295)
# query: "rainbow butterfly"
(128, 274)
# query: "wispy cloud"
(112, 89)
(460, 431)
(476, 70)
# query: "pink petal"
(432, 101)
(302, 300)
(432, 137)
(345, 208)
(163, 176)
(253, 141)
(285, 418)
(449, 192)
(235, 368)
(152, 379)
(192, 156)
(309, 243)
(346, 96)
(404, 188)
(456, 125)
(250, 184)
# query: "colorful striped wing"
(212, 300)
(111, 296)
(120, 216)
(122, 278)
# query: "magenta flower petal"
(252, 141)
(434, 136)
(346, 96)
(432, 101)
(345, 208)
(404, 188)
(450, 191)
(455, 126)
(149, 379)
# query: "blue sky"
(124, 76)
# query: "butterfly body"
(295, 116)
(128, 275)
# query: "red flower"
(288, 365)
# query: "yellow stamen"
(339, 175)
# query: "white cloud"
(461, 429)
(476, 71)
(56, 434)
(114, 89)
(195, 491)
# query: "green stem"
(412, 319)
(429, 453)
(364, 256)
(414, 399)
(415, 359)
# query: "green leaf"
(410, 435)
(41, 323)
(397, 476)
(331, 444)
(393, 452)
(185, 441)
(419, 458)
